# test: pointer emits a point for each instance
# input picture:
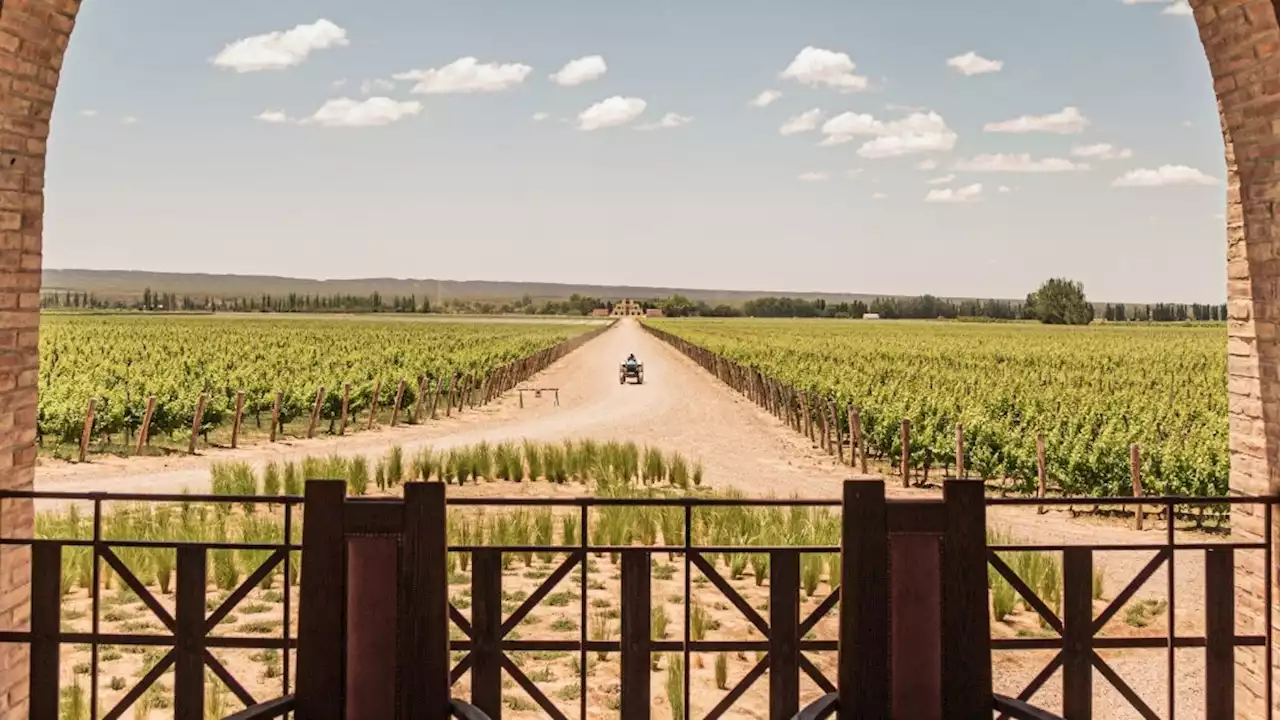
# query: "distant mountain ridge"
(113, 284)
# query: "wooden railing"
(484, 642)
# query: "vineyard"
(1089, 392)
(121, 361)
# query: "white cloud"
(919, 132)
(577, 72)
(280, 49)
(467, 75)
(611, 112)
(817, 67)
(272, 116)
(853, 174)
(1018, 163)
(1067, 121)
(941, 180)
(371, 112)
(89, 113)
(540, 116)
(1005, 189)
(1163, 176)
(804, 122)
(1179, 7)
(929, 164)
(878, 196)
(1102, 151)
(670, 120)
(338, 83)
(128, 120)
(368, 87)
(765, 98)
(971, 63)
(813, 176)
(968, 193)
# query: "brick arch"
(1241, 40)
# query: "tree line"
(1057, 301)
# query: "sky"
(952, 147)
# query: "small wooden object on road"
(87, 432)
(235, 422)
(146, 425)
(195, 424)
(315, 413)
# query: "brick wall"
(1242, 43)
(33, 36)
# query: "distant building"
(870, 316)
(653, 312)
(627, 308)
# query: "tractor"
(631, 369)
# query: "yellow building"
(627, 308)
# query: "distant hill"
(126, 284)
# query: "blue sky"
(174, 148)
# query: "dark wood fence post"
(966, 625)
(188, 668)
(423, 605)
(486, 632)
(46, 629)
(1077, 652)
(863, 675)
(635, 667)
(321, 622)
(784, 634)
(1220, 662)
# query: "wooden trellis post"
(146, 425)
(435, 396)
(1041, 475)
(195, 424)
(835, 425)
(1135, 474)
(275, 415)
(315, 413)
(235, 422)
(395, 409)
(960, 471)
(373, 405)
(906, 452)
(346, 403)
(422, 397)
(87, 432)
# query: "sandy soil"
(681, 408)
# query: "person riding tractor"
(631, 361)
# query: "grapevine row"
(122, 362)
(1088, 394)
